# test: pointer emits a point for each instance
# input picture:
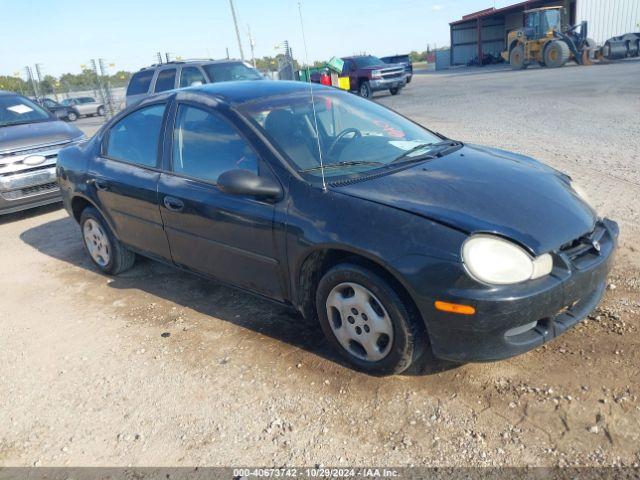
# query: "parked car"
(85, 106)
(404, 60)
(167, 76)
(368, 74)
(397, 238)
(30, 138)
(63, 112)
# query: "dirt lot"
(157, 367)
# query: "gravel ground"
(158, 368)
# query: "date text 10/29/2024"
(239, 473)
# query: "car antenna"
(313, 104)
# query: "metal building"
(485, 32)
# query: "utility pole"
(235, 23)
(252, 44)
(227, 53)
(32, 81)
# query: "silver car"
(86, 106)
(186, 73)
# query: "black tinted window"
(140, 82)
(205, 145)
(135, 138)
(191, 75)
(229, 71)
(166, 80)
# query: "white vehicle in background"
(86, 106)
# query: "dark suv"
(404, 60)
(167, 76)
(368, 74)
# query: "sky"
(61, 35)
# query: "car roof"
(203, 61)
(248, 90)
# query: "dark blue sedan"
(396, 238)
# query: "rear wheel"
(101, 111)
(367, 321)
(516, 58)
(105, 250)
(556, 54)
(365, 89)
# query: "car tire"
(394, 91)
(364, 90)
(409, 80)
(101, 111)
(72, 117)
(104, 249)
(376, 315)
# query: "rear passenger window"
(166, 80)
(135, 138)
(205, 146)
(190, 76)
(140, 83)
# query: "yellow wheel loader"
(543, 41)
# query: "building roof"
(489, 12)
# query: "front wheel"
(101, 111)
(394, 91)
(516, 58)
(72, 117)
(105, 250)
(556, 54)
(365, 89)
(367, 321)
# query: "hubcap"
(359, 321)
(97, 242)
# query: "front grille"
(392, 75)
(38, 149)
(587, 247)
(31, 191)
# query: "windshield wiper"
(341, 164)
(23, 122)
(427, 155)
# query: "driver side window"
(205, 145)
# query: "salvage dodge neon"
(396, 238)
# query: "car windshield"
(15, 110)
(230, 71)
(354, 135)
(369, 61)
(67, 101)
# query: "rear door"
(125, 177)
(86, 106)
(229, 237)
(190, 76)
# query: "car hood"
(21, 137)
(478, 189)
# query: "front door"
(125, 181)
(229, 237)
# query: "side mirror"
(244, 182)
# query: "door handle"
(174, 204)
(100, 184)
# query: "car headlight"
(582, 194)
(376, 74)
(494, 260)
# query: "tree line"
(68, 82)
